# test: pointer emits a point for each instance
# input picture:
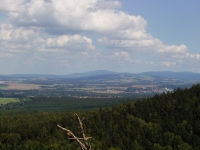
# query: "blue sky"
(179, 18)
(70, 36)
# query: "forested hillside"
(163, 122)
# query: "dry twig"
(83, 142)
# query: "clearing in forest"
(7, 100)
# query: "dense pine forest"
(164, 122)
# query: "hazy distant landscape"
(96, 84)
(98, 89)
(86, 90)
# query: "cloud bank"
(91, 32)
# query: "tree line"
(163, 122)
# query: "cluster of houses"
(155, 90)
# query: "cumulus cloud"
(77, 15)
(168, 64)
(77, 42)
(28, 40)
(144, 45)
(110, 4)
(10, 5)
(69, 29)
(122, 56)
(9, 33)
(16, 40)
(187, 56)
(118, 28)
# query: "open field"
(8, 100)
(20, 86)
(144, 86)
(101, 86)
(2, 87)
(107, 91)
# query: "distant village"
(156, 90)
(135, 90)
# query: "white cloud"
(151, 63)
(6, 55)
(23, 41)
(110, 4)
(10, 5)
(187, 56)
(16, 40)
(144, 45)
(76, 42)
(118, 28)
(168, 64)
(63, 30)
(9, 33)
(77, 15)
(122, 56)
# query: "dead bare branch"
(83, 141)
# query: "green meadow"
(2, 87)
(8, 100)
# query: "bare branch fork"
(83, 141)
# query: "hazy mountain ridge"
(102, 74)
(90, 73)
(177, 75)
(162, 74)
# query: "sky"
(73, 36)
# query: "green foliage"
(114, 149)
(184, 146)
(157, 147)
(8, 100)
(163, 122)
(61, 104)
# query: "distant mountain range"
(161, 74)
(91, 73)
(176, 75)
(105, 74)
